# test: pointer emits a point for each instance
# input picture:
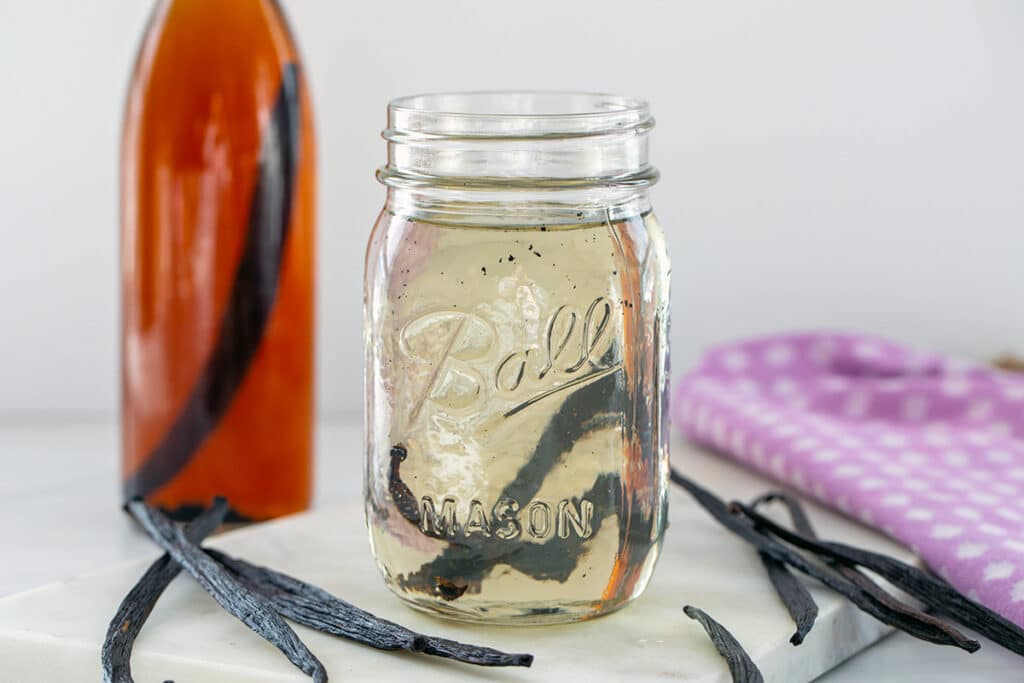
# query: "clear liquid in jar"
(521, 370)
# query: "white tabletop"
(59, 517)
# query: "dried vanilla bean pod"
(797, 515)
(931, 591)
(793, 594)
(115, 656)
(401, 494)
(249, 608)
(741, 666)
(466, 566)
(473, 654)
(312, 606)
(744, 528)
(802, 524)
(585, 411)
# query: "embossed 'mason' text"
(507, 520)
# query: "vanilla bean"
(115, 656)
(311, 606)
(802, 524)
(745, 529)
(797, 515)
(793, 594)
(249, 608)
(554, 560)
(934, 593)
(401, 494)
(466, 562)
(741, 666)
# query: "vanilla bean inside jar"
(516, 319)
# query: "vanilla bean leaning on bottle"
(137, 605)
(245, 605)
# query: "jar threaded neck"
(518, 140)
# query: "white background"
(852, 164)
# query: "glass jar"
(516, 337)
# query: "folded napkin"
(928, 449)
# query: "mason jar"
(516, 339)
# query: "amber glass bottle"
(217, 260)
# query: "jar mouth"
(512, 114)
(518, 140)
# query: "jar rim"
(509, 114)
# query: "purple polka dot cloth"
(926, 448)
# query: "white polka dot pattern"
(928, 449)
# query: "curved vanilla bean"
(249, 608)
(794, 595)
(802, 524)
(463, 563)
(249, 303)
(797, 514)
(115, 656)
(741, 666)
(401, 494)
(311, 606)
(920, 584)
(744, 528)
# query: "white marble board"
(54, 632)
